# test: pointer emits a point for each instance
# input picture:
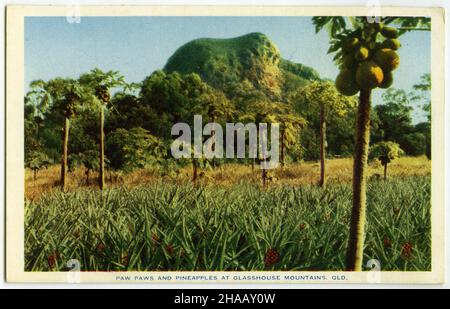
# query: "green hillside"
(251, 57)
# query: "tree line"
(100, 122)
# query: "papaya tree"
(365, 50)
(326, 102)
(101, 83)
(62, 96)
(386, 152)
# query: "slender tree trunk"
(282, 148)
(262, 160)
(87, 177)
(101, 176)
(264, 177)
(322, 146)
(253, 164)
(385, 171)
(213, 136)
(65, 150)
(358, 217)
(194, 171)
(34, 174)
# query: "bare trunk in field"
(322, 146)
(194, 171)
(65, 151)
(282, 148)
(213, 136)
(385, 171)
(358, 216)
(101, 176)
(87, 176)
(262, 158)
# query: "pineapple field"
(242, 226)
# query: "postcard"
(224, 144)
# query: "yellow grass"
(337, 170)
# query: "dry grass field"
(337, 171)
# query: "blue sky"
(136, 46)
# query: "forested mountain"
(252, 57)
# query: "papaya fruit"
(369, 75)
(387, 59)
(389, 32)
(377, 26)
(345, 82)
(388, 79)
(393, 44)
(362, 54)
(348, 61)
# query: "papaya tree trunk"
(385, 171)
(358, 215)
(65, 150)
(322, 146)
(101, 176)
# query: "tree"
(290, 125)
(128, 150)
(175, 98)
(366, 62)
(36, 161)
(424, 88)
(327, 102)
(386, 152)
(218, 110)
(261, 110)
(62, 95)
(102, 83)
(394, 115)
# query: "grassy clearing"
(168, 226)
(338, 171)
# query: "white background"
(413, 3)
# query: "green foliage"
(131, 149)
(386, 152)
(37, 160)
(393, 122)
(339, 117)
(180, 227)
(424, 88)
(323, 94)
(101, 82)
